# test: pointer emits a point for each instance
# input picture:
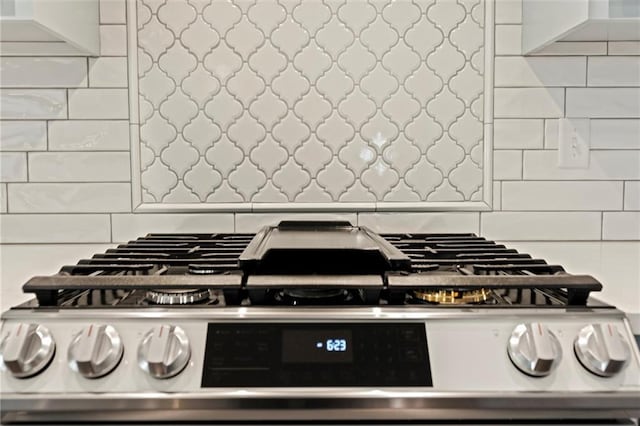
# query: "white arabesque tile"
(508, 11)
(624, 48)
(89, 135)
(632, 195)
(603, 165)
(113, 40)
(528, 103)
(507, 165)
(517, 134)
(615, 134)
(108, 72)
(541, 226)
(32, 104)
(621, 226)
(558, 195)
(55, 228)
(43, 72)
(131, 226)
(540, 71)
(99, 104)
(69, 197)
(603, 103)
(508, 40)
(23, 135)
(421, 222)
(113, 11)
(79, 167)
(253, 222)
(623, 71)
(13, 167)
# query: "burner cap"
(178, 296)
(453, 297)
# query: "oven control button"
(27, 350)
(164, 351)
(602, 349)
(534, 350)
(96, 351)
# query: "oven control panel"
(378, 349)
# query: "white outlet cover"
(574, 143)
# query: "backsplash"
(66, 126)
(290, 101)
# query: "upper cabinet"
(49, 27)
(547, 21)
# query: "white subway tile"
(615, 134)
(517, 134)
(507, 165)
(87, 135)
(562, 195)
(603, 103)
(3, 198)
(43, 72)
(253, 222)
(108, 72)
(632, 195)
(508, 11)
(551, 133)
(69, 197)
(603, 165)
(99, 104)
(540, 226)
(23, 135)
(540, 71)
(421, 222)
(79, 167)
(497, 195)
(621, 226)
(574, 48)
(622, 71)
(33, 104)
(55, 228)
(19, 262)
(624, 48)
(113, 40)
(528, 103)
(13, 167)
(130, 226)
(113, 12)
(508, 40)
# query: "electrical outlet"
(574, 143)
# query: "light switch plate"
(574, 143)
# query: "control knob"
(164, 351)
(602, 349)
(27, 350)
(96, 351)
(534, 350)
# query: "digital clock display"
(316, 346)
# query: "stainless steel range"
(317, 322)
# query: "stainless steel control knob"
(96, 351)
(27, 350)
(164, 351)
(602, 349)
(534, 350)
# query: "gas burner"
(178, 296)
(454, 297)
(313, 296)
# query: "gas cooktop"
(316, 323)
(311, 263)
